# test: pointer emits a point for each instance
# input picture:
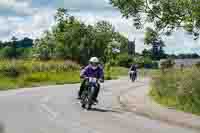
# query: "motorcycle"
(87, 97)
(133, 75)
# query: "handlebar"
(98, 80)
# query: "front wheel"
(90, 98)
(133, 77)
(88, 106)
(83, 105)
(84, 99)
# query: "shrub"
(124, 60)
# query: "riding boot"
(81, 88)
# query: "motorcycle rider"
(92, 70)
(133, 68)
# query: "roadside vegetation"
(31, 73)
(178, 89)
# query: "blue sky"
(31, 17)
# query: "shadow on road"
(2, 130)
(105, 110)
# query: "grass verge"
(178, 89)
(13, 77)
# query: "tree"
(152, 38)
(111, 53)
(1, 44)
(41, 52)
(14, 47)
(60, 17)
(188, 56)
(122, 40)
(24, 43)
(7, 52)
(73, 40)
(104, 33)
(146, 53)
(43, 48)
(165, 15)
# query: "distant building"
(131, 47)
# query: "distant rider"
(133, 68)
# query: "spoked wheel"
(83, 105)
(83, 100)
(88, 106)
(90, 98)
(133, 78)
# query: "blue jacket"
(89, 72)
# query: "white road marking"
(53, 114)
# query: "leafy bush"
(124, 60)
(8, 52)
(147, 62)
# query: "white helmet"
(94, 60)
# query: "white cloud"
(32, 26)
(35, 25)
(7, 3)
(17, 7)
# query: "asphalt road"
(55, 109)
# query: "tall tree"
(71, 39)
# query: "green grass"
(20, 74)
(147, 72)
(178, 89)
(7, 83)
(116, 72)
(39, 79)
(170, 102)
